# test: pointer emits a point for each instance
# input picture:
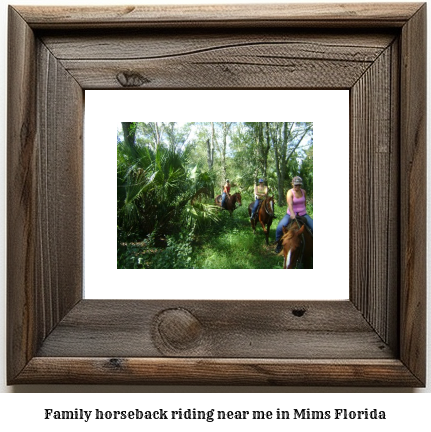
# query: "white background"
(104, 111)
(18, 410)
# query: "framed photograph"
(376, 337)
(208, 258)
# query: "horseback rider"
(260, 193)
(226, 192)
(295, 198)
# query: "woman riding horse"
(295, 198)
(264, 215)
(225, 193)
(260, 193)
(231, 202)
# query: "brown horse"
(264, 214)
(230, 203)
(297, 244)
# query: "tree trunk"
(265, 151)
(129, 131)
(278, 169)
(210, 156)
(157, 134)
(280, 144)
(226, 127)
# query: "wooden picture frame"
(376, 338)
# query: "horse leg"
(250, 208)
(253, 225)
(310, 257)
(268, 226)
(264, 229)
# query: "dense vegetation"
(168, 175)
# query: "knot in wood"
(298, 312)
(178, 329)
(131, 79)
(115, 363)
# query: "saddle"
(256, 213)
(302, 221)
(218, 200)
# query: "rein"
(266, 209)
(234, 198)
(300, 263)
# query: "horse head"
(291, 242)
(238, 198)
(269, 206)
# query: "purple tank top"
(298, 204)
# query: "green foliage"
(129, 256)
(141, 255)
(306, 172)
(177, 255)
(292, 170)
(159, 191)
(232, 245)
(166, 178)
(309, 207)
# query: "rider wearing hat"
(260, 193)
(226, 192)
(295, 198)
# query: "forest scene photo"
(170, 179)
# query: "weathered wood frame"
(376, 338)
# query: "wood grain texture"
(373, 200)
(376, 338)
(226, 329)
(140, 45)
(196, 371)
(45, 106)
(59, 181)
(193, 59)
(300, 15)
(21, 194)
(413, 194)
(245, 65)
